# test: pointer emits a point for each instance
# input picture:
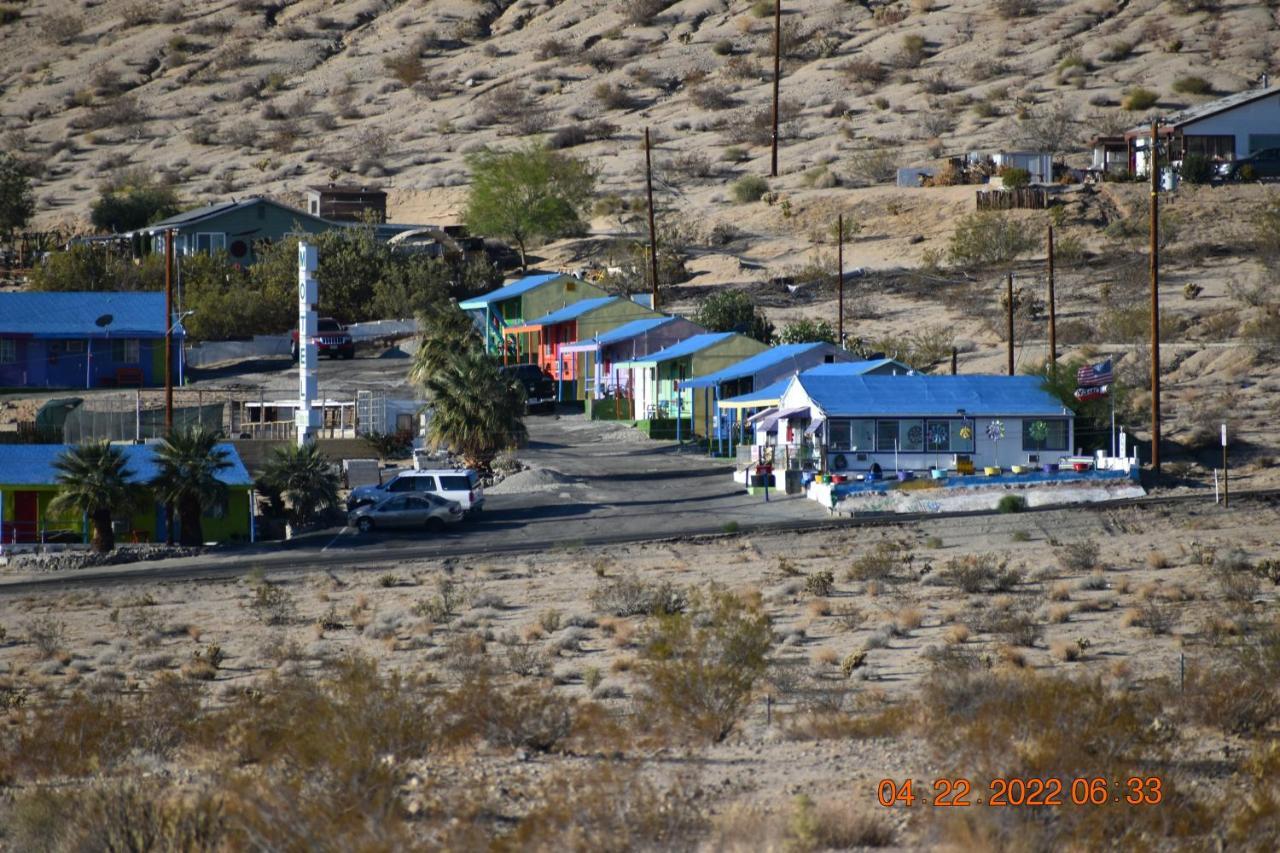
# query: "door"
(26, 516)
(392, 512)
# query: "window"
(938, 435)
(401, 484)
(909, 435)
(455, 484)
(8, 351)
(211, 242)
(76, 346)
(395, 505)
(125, 351)
(962, 433)
(1044, 434)
(424, 484)
(864, 435)
(838, 436)
(1213, 147)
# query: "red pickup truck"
(331, 339)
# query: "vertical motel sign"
(306, 419)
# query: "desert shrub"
(629, 595)
(1116, 51)
(613, 97)
(1137, 99)
(988, 239)
(1015, 623)
(1192, 85)
(873, 165)
(406, 67)
(912, 51)
(47, 634)
(881, 562)
(865, 71)
(271, 604)
(749, 188)
(1197, 169)
(139, 14)
(1236, 690)
(9, 14)
(1010, 9)
(1011, 503)
(819, 583)
(1015, 177)
(551, 49)
(712, 97)
(835, 827)
(975, 573)
(61, 27)
(722, 47)
(643, 11)
(1078, 556)
(699, 668)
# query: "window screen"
(838, 435)
(864, 435)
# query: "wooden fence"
(1022, 198)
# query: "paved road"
(595, 483)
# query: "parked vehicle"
(459, 485)
(1259, 165)
(431, 512)
(331, 339)
(539, 388)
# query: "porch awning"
(580, 346)
(771, 422)
(816, 425)
(764, 414)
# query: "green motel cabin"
(527, 298)
(656, 383)
(585, 318)
(29, 481)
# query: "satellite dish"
(104, 321)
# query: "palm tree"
(301, 481)
(189, 461)
(93, 480)
(476, 410)
(444, 333)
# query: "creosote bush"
(749, 188)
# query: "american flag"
(1093, 375)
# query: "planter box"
(903, 476)
(992, 470)
(1049, 467)
(938, 473)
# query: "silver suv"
(460, 485)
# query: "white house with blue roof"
(29, 480)
(84, 340)
(844, 422)
(524, 299)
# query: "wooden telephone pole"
(1008, 295)
(653, 236)
(1154, 164)
(1053, 312)
(777, 73)
(840, 279)
(168, 364)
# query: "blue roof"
(688, 346)
(74, 314)
(752, 365)
(32, 464)
(572, 311)
(510, 291)
(627, 331)
(766, 396)
(840, 368)
(919, 395)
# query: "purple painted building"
(632, 340)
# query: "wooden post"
(1009, 299)
(840, 279)
(1153, 164)
(953, 361)
(1053, 310)
(777, 73)
(653, 236)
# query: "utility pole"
(1053, 310)
(840, 278)
(1226, 489)
(168, 364)
(653, 235)
(1009, 299)
(777, 73)
(1154, 162)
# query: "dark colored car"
(539, 388)
(1259, 165)
(331, 339)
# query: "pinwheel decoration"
(966, 432)
(995, 432)
(1039, 431)
(939, 436)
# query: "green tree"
(1092, 417)
(300, 483)
(733, 311)
(699, 667)
(527, 195)
(132, 200)
(807, 331)
(17, 203)
(84, 267)
(189, 462)
(988, 239)
(94, 480)
(476, 410)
